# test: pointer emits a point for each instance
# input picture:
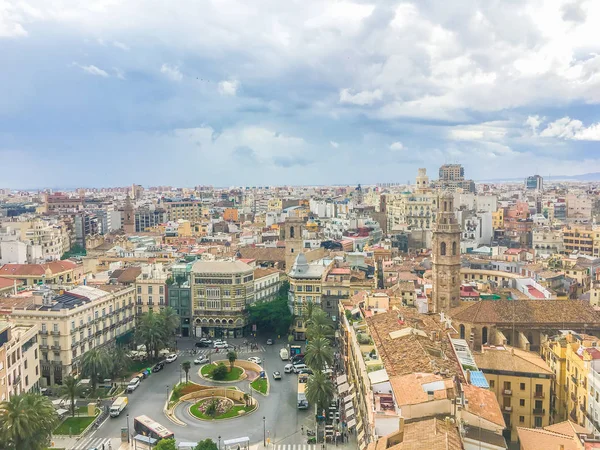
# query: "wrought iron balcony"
(539, 411)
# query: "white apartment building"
(151, 288)
(476, 202)
(547, 241)
(266, 284)
(579, 207)
(74, 322)
(19, 359)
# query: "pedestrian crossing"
(240, 350)
(92, 442)
(295, 447)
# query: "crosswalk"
(92, 442)
(295, 447)
(240, 350)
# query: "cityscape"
(228, 225)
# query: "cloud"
(534, 123)
(360, 98)
(119, 73)
(573, 12)
(245, 154)
(229, 87)
(396, 146)
(120, 45)
(172, 72)
(291, 161)
(92, 70)
(572, 129)
(334, 144)
(487, 131)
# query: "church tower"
(291, 233)
(422, 180)
(446, 257)
(128, 217)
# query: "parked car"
(297, 357)
(269, 341)
(306, 371)
(206, 340)
(171, 358)
(289, 368)
(277, 375)
(299, 367)
(202, 344)
(255, 360)
(220, 344)
(201, 360)
(133, 384)
(158, 367)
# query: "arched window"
(443, 249)
(462, 331)
(454, 248)
(445, 206)
(291, 232)
(484, 335)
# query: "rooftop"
(25, 270)
(228, 267)
(510, 359)
(483, 403)
(413, 388)
(431, 433)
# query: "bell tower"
(291, 233)
(446, 257)
(128, 217)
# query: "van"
(133, 384)
(288, 368)
(299, 367)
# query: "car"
(220, 344)
(306, 371)
(277, 375)
(206, 340)
(289, 368)
(201, 360)
(202, 344)
(133, 384)
(299, 367)
(158, 367)
(269, 341)
(171, 358)
(255, 360)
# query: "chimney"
(430, 396)
(468, 376)
(401, 429)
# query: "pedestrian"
(302, 429)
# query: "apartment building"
(548, 241)
(179, 297)
(554, 350)
(74, 322)
(578, 239)
(498, 219)
(267, 283)
(522, 382)
(150, 289)
(221, 291)
(185, 209)
(55, 272)
(582, 351)
(19, 359)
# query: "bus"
(146, 426)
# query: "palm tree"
(319, 390)
(318, 354)
(186, 366)
(150, 332)
(69, 390)
(27, 422)
(95, 364)
(231, 356)
(170, 322)
(319, 325)
(120, 361)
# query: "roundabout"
(219, 408)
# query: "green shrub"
(220, 372)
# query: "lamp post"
(127, 427)
(219, 442)
(264, 432)
(167, 392)
(180, 368)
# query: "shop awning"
(342, 379)
(349, 398)
(343, 388)
(351, 423)
(348, 405)
(350, 412)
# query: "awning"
(240, 440)
(359, 425)
(61, 412)
(350, 412)
(349, 398)
(348, 406)
(351, 423)
(343, 388)
(361, 436)
(342, 379)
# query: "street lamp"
(180, 368)
(127, 427)
(167, 392)
(219, 442)
(264, 432)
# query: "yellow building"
(522, 382)
(150, 289)
(19, 359)
(578, 239)
(554, 351)
(498, 219)
(581, 351)
(185, 209)
(274, 204)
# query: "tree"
(319, 325)
(318, 354)
(319, 390)
(220, 372)
(211, 409)
(155, 331)
(69, 390)
(95, 364)
(231, 356)
(166, 444)
(274, 315)
(206, 444)
(27, 422)
(120, 361)
(186, 366)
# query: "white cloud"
(119, 73)
(334, 144)
(360, 98)
(487, 131)
(171, 72)
(229, 87)
(92, 70)
(572, 129)
(534, 123)
(397, 146)
(120, 45)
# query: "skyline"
(299, 94)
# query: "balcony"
(539, 394)
(573, 397)
(55, 333)
(44, 346)
(539, 411)
(507, 392)
(55, 347)
(508, 408)
(44, 332)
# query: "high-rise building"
(452, 177)
(452, 172)
(446, 257)
(534, 182)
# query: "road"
(282, 419)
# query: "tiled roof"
(260, 272)
(537, 439)
(567, 428)
(483, 403)
(511, 359)
(263, 254)
(557, 312)
(412, 352)
(409, 390)
(424, 434)
(127, 275)
(6, 283)
(36, 269)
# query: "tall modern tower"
(446, 257)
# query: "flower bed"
(223, 409)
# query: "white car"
(255, 360)
(201, 360)
(277, 375)
(289, 368)
(133, 384)
(220, 344)
(171, 358)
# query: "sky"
(296, 92)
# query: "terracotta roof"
(538, 439)
(263, 254)
(6, 283)
(424, 434)
(25, 270)
(512, 360)
(127, 275)
(490, 410)
(408, 389)
(557, 312)
(260, 272)
(567, 428)
(412, 352)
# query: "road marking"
(91, 442)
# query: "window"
(72, 324)
(443, 249)
(492, 384)
(238, 292)
(161, 289)
(298, 288)
(522, 402)
(521, 419)
(522, 386)
(103, 312)
(309, 288)
(161, 300)
(538, 422)
(55, 327)
(149, 289)
(139, 289)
